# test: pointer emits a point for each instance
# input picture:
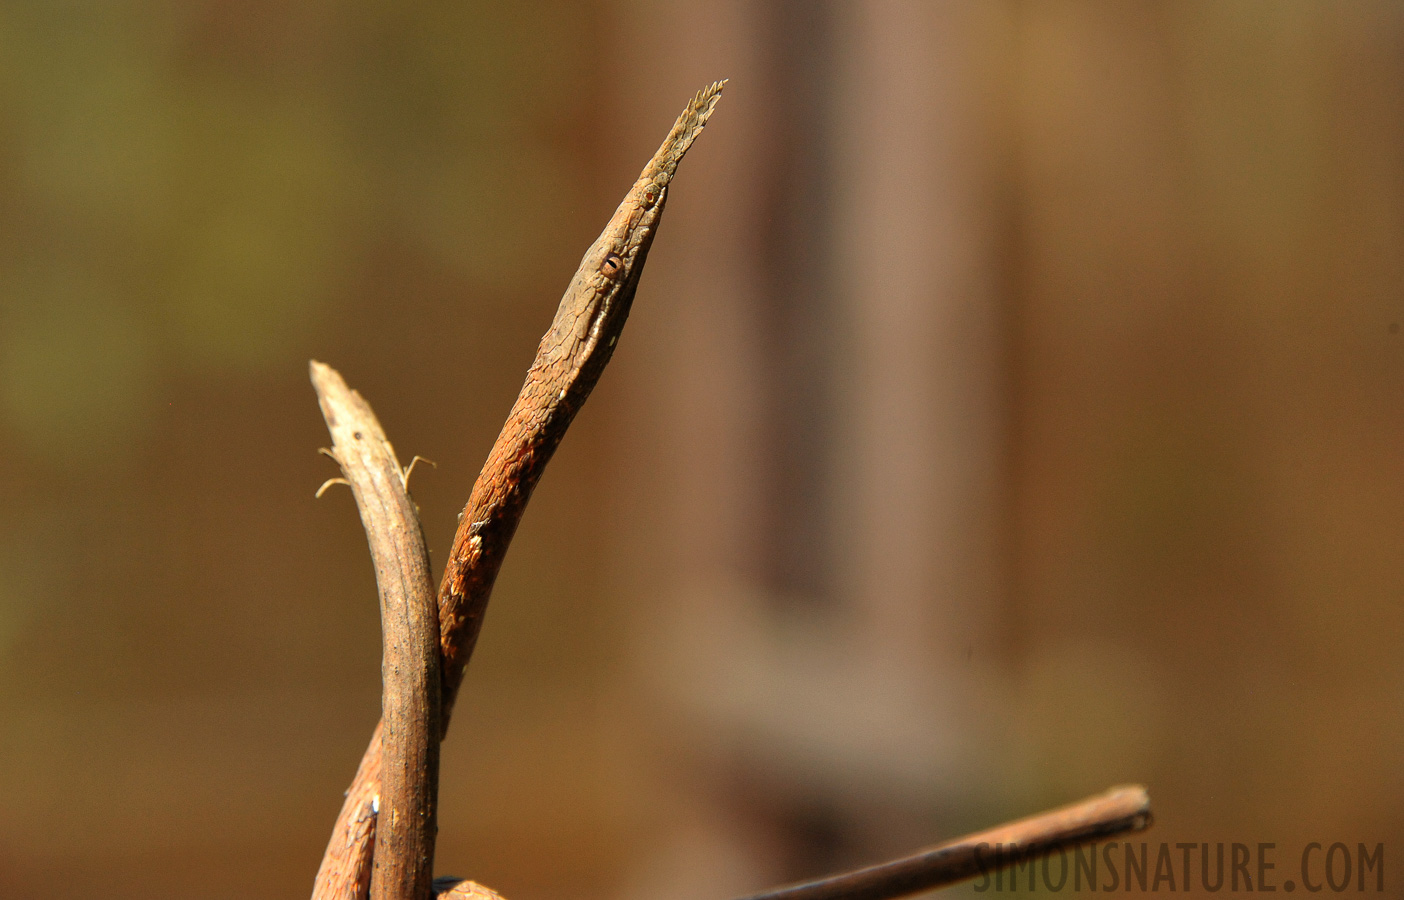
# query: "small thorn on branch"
(328, 483)
(409, 470)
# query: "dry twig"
(568, 363)
(407, 751)
(1118, 811)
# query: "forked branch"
(390, 808)
(568, 363)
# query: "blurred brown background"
(1012, 408)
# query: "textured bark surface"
(1118, 811)
(404, 830)
(568, 363)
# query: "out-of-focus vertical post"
(828, 278)
(916, 232)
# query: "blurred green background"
(1012, 408)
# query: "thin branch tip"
(685, 130)
(706, 99)
(1118, 811)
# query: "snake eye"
(612, 265)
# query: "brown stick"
(1118, 811)
(410, 727)
(568, 364)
